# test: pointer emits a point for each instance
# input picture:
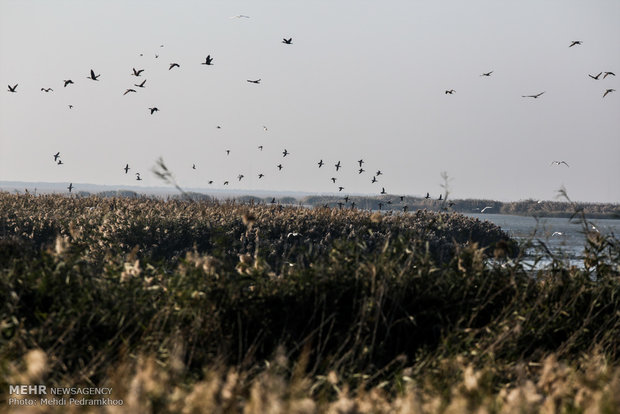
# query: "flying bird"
(239, 16)
(227, 152)
(137, 72)
(12, 89)
(225, 182)
(257, 81)
(56, 156)
(361, 170)
(374, 179)
(93, 76)
(208, 61)
(138, 178)
(240, 176)
(153, 110)
(260, 176)
(440, 197)
(70, 106)
(485, 209)
(67, 82)
(532, 96)
(559, 163)
(608, 74)
(47, 89)
(70, 187)
(260, 147)
(360, 162)
(595, 77)
(487, 74)
(265, 128)
(285, 152)
(60, 162)
(575, 42)
(279, 167)
(128, 90)
(337, 166)
(427, 196)
(288, 41)
(333, 180)
(321, 163)
(340, 189)
(450, 92)
(126, 168)
(383, 190)
(378, 173)
(193, 166)
(608, 91)
(140, 85)
(174, 65)
(210, 182)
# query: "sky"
(361, 80)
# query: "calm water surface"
(564, 237)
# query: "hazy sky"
(362, 79)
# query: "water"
(564, 237)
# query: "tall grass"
(208, 307)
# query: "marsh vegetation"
(186, 306)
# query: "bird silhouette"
(126, 168)
(260, 147)
(60, 162)
(240, 176)
(595, 77)
(402, 198)
(70, 106)
(279, 167)
(559, 163)
(140, 85)
(227, 152)
(129, 90)
(260, 176)
(174, 65)
(378, 173)
(321, 163)
(137, 72)
(70, 187)
(608, 91)
(374, 179)
(380, 205)
(405, 208)
(383, 190)
(487, 74)
(153, 110)
(485, 209)
(360, 162)
(340, 188)
(361, 170)
(67, 82)
(427, 196)
(333, 180)
(13, 89)
(225, 182)
(257, 81)
(440, 197)
(346, 199)
(532, 96)
(93, 76)
(208, 60)
(285, 152)
(56, 156)
(210, 182)
(450, 92)
(575, 42)
(47, 89)
(288, 41)
(138, 178)
(337, 165)
(193, 166)
(273, 200)
(608, 74)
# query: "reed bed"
(219, 307)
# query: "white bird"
(239, 16)
(485, 209)
(557, 233)
(559, 163)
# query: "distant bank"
(387, 202)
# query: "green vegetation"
(186, 306)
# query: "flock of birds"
(209, 61)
